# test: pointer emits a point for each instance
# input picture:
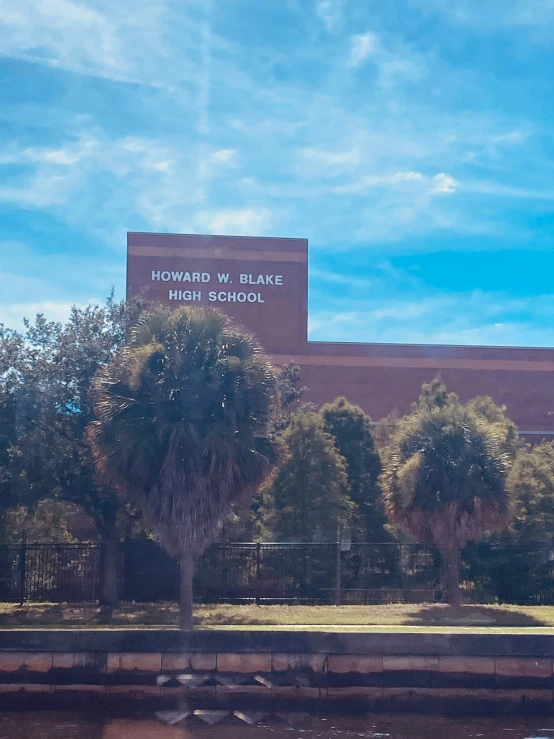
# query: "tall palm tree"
(183, 427)
(444, 482)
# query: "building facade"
(263, 284)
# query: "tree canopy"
(531, 483)
(12, 382)
(46, 455)
(444, 478)
(351, 429)
(183, 426)
(309, 497)
(244, 524)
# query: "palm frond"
(183, 416)
(444, 478)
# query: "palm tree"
(183, 427)
(444, 482)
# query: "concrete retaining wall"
(300, 670)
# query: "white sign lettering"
(232, 297)
(261, 279)
(180, 276)
(185, 295)
(223, 278)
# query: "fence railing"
(279, 573)
(55, 573)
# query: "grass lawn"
(430, 617)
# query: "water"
(55, 725)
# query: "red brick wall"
(379, 377)
(280, 321)
(528, 395)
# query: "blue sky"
(411, 141)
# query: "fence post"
(22, 568)
(258, 553)
(338, 598)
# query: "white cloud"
(69, 154)
(245, 221)
(41, 190)
(205, 70)
(274, 126)
(494, 13)
(319, 162)
(242, 131)
(392, 70)
(162, 166)
(444, 183)
(63, 33)
(406, 176)
(60, 156)
(509, 191)
(329, 12)
(355, 141)
(469, 318)
(126, 42)
(331, 157)
(224, 156)
(394, 62)
(439, 184)
(115, 177)
(362, 46)
(380, 180)
(172, 185)
(319, 276)
(511, 138)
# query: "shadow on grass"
(442, 615)
(147, 614)
(67, 615)
(428, 615)
(166, 614)
(227, 619)
(51, 614)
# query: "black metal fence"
(279, 573)
(55, 573)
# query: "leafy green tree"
(309, 497)
(44, 523)
(351, 429)
(7, 439)
(483, 565)
(183, 430)
(516, 566)
(291, 391)
(246, 524)
(49, 452)
(385, 430)
(531, 483)
(444, 481)
(434, 395)
(11, 384)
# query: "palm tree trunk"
(109, 565)
(185, 606)
(451, 560)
